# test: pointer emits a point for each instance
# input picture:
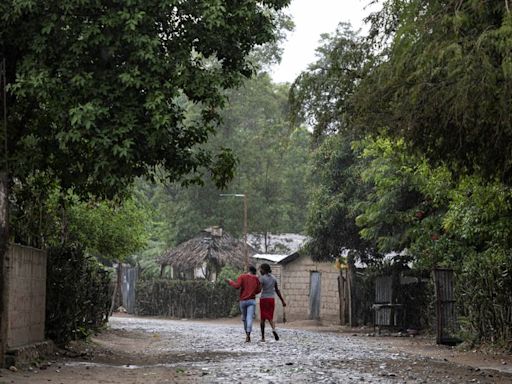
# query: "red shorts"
(267, 308)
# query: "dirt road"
(140, 350)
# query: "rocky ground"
(141, 350)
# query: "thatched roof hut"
(212, 248)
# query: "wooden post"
(349, 297)
(117, 289)
(343, 301)
(350, 289)
(4, 246)
(4, 221)
(439, 312)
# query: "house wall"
(25, 271)
(295, 286)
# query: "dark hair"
(252, 269)
(265, 268)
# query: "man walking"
(249, 286)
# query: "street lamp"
(245, 222)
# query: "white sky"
(312, 18)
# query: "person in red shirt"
(249, 286)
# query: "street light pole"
(245, 233)
(244, 195)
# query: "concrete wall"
(295, 286)
(25, 272)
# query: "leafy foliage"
(321, 96)
(108, 230)
(443, 82)
(331, 219)
(98, 90)
(412, 154)
(272, 171)
(485, 284)
(77, 295)
(185, 299)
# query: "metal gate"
(314, 296)
(383, 307)
(128, 282)
(445, 307)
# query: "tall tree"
(97, 89)
(444, 82)
(321, 95)
(272, 170)
(337, 191)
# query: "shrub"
(484, 295)
(185, 299)
(77, 294)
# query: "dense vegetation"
(78, 295)
(272, 171)
(186, 299)
(412, 147)
(399, 141)
(100, 93)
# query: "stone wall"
(295, 286)
(25, 272)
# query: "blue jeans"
(248, 307)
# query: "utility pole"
(245, 233)
(246, 250)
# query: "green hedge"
(185, 299)
(77, 295)
(485, 297)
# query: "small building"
(203, 256)
(310, 288)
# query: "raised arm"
(236, 284)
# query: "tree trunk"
(4, 245)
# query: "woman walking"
(267, 301)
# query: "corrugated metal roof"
(277, 259)
(270, 257)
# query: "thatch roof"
(211, 245)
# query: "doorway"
(314, 296)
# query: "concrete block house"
(310, 288)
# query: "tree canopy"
(272, 171)
(443, 82)
(97, 90)
(413, 147)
